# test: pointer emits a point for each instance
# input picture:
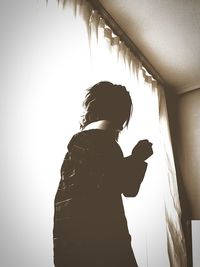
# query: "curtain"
(49, 56)
(154, 216)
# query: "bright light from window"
(47, 67)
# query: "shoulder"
(95, 141)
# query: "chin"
(116, 136)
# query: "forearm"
(133, 174)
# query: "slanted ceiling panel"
(167, 33)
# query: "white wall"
(196, 242)
(189, 147)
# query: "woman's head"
(107, 101)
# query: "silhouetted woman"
(90, 228)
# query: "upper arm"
(87, 171)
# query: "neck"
(105, 125)
(102, 124)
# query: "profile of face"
(117, 132)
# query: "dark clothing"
(90, 228)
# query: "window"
(51, 63)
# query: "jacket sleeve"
(86, 172)
(132, 172)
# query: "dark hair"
(107, 101)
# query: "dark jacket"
(90, 228)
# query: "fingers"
(143, 149)
(144, 144)
(145, 141)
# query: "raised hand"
(143, 150)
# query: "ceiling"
(168, 35)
